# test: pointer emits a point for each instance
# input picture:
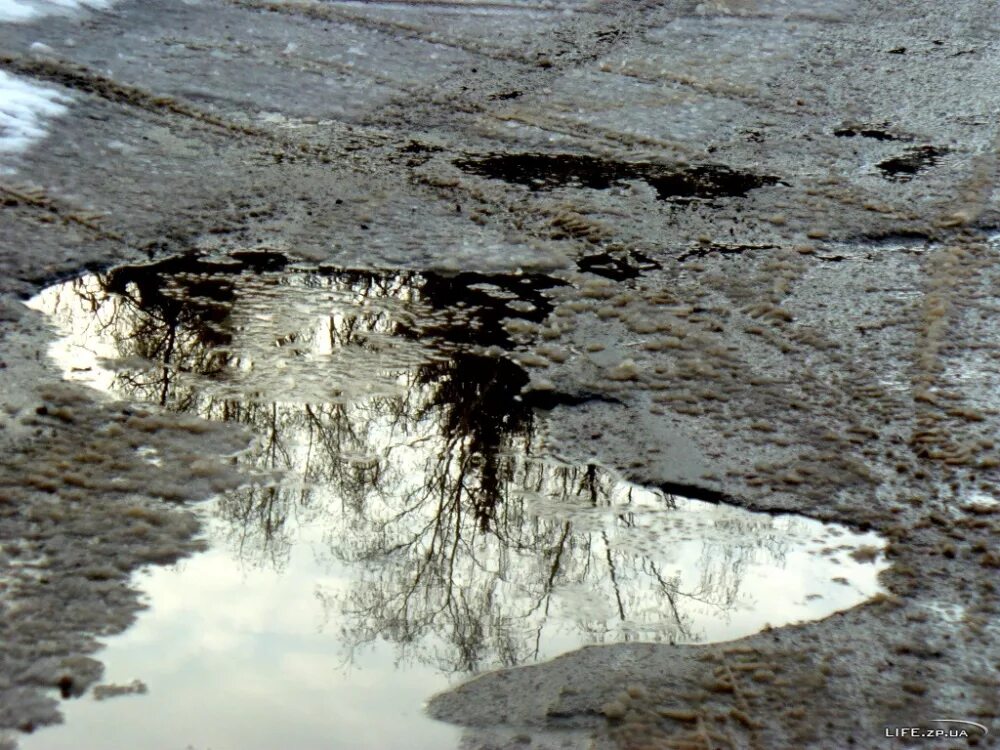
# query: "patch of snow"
(19, 11)
(23, 109)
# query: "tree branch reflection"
(378, 421)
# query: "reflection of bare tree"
(449, 591)
(746, 540)
(465, 548)
(181, 328)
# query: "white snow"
(24, 107)
(14, 11)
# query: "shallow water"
(681, 185)
(236, 652)
(403, 525)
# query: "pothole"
(403, 525)
(678, 184)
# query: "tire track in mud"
(325, 12)
(567, 50)
(456, 5)
(712, 87)
(837, 429)
(83, 79)
(33, 203)
(43, 207)
(842, 389)
(281, 59)
(589, 134)
(956, 274)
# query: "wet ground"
(560, 273)
(403, 515)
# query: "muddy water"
(404, 524)
(677, 184)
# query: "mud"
(857, 391)
(547, 171)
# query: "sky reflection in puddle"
(403, 528)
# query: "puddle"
(714, 248)
(878, 134)
(914, 160)
(239, 652)
(403, 528)
(677, 184)
(619, 266)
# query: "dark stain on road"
(914, 160)
(679, 184)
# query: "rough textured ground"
(824, 342)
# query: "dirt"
(817, 339)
